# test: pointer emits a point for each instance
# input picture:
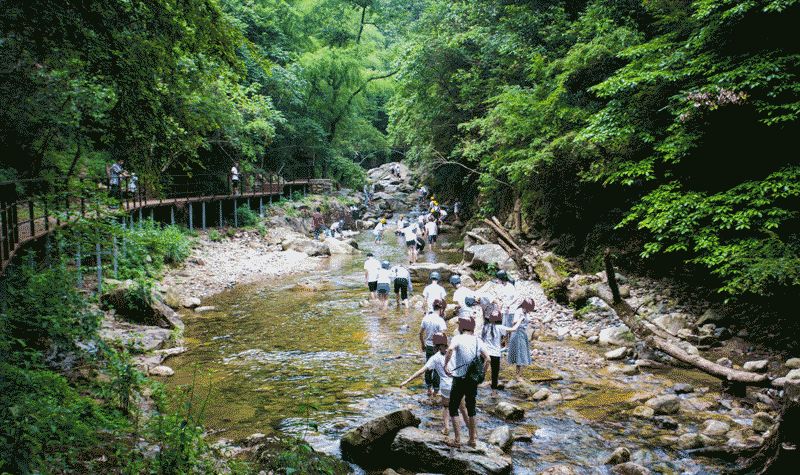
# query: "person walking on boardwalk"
(402, 284)
(519, 347)
(235, 178)
(436, 364)
(384, 284)
(371, 268)
(433, 291)
(491, 335)
(466, 351)
(432, 323)
(115, 174)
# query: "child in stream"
(436, 364)
(519, 347)
(432, 323)
(384, 284)
(371, 267)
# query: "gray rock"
(762, 422)
(480, 256)
(421, 272)
(206, 308)
(541, 394)
(793, 363)
(559, 470)
(693, 440)
(190, 302)
(683, 388)
(672, 322)
(338, 247)
(618, 456)
(715, 428)
(370, 443)
(726, 362)
(617, 336)
(758, 366)
(161, 371)
(307, 246)
(419, 450)
(140, 305)
(502, 438)
(508, 411)
(643, 412)
(616, 354)
(664, 405)
(710, 316)
(793, 375)
(630, 468)
(665, 422)
(592, 340)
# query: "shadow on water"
(269, 349)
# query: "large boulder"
(339, 247)
(619, 335)
(481, 256)
(664, 405)
(419, 450)
(672, 322)
(421, 272)
(369, 444)
(307, 246)
(139, 304)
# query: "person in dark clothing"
(317, 222)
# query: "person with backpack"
(436, 364)
(519, 347)
(432, 323)
(470, 363)
(491, 335)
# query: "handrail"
(35, 213)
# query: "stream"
(274, 358)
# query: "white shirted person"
(433, 291)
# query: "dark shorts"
(401, 287)
(411, 243)
(372, 286)
(462, 389)
(431, 239)
(383, 288)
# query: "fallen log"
(658, 338)
(510, 246)
(501, 231)
(478, 238)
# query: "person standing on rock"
(507, 297)
(410, 236)
(371, 268)
(431, 231)
(378, 231)
(519, 347)
(433, 291)
(384, 284)
(432, 323)
(491, 335)
(317, 222)
(464, 350)
(402, 284)
(436, 364)
(457, 210)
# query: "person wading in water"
(491, 335)
(432, 323)
(371, 268)
(465, 349)
(436, 364)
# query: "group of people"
(489, 325)
(121, 180)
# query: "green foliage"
(246, 216)
(214, 235)
(42, 310)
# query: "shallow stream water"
(274, 358)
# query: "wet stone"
(630, 468)
(618, 456)
(665, 405)
(643, 412)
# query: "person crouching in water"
(436, 364)
(519, 347)
(464, 349)
(384, 284)
(491, 336)
(432, 323)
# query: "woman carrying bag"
(468, 370)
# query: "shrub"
(247, 217)
(214, 235)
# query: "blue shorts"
(383, 288)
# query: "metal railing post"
(99, 268)
(220, 213)
(114, 256)
(235, 214)
(31, 218)
(203, 214)
(191, 221)
(172, 215)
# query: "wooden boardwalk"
(15, 234)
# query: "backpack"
(475, 370)
(420, 244)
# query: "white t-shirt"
(410, 232)
(461, 294)
(400, 272)
(465, 348)
(431, 324)
(507, 293)
(384, 276)
(234, 173)
(431, 228)
(372, 266)
(433, 292)
(436, 363)
(442, 214)
(421, 220)
(492, 343)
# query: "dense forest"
(663, 129)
